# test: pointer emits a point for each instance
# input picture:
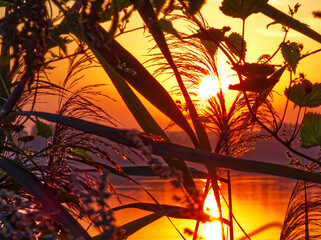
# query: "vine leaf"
(210, 46)
(291, 53)
(305, 94)
(235, 42)
(311, 130)
(211, 38)
(168, 27)
(43, 129)
(241, 8)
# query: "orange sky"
(260, 40)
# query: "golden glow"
(211, 230)
(209, 86)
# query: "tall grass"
(46, 190)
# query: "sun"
(211, 230)
(209, 86)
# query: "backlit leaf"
(289, 21)
(175, 151)
(168, 27)
(236, 44)
(210, 46)
(43, 129)
(291, 53)
(81, 153)
(241, 8)
(311, 130)
(305, 94)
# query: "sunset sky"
(260, 40)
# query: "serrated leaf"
(168, 27)
(236, 44)
(43, 129)
(291, 53)
(81, 153)
(210, 46)
(305, 94)
(241, 8)
(311, 130)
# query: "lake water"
(258, 200)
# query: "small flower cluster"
(164, 172)
(96, 207)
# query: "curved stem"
(278, 49)
(273, 134)
(285, 108)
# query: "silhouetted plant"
(37, 34)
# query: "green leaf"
(235, 42)
(291, 53)
(166, 149)
(81, 153)
(311, 130)
(305, 94)
(241, 8)
(73, 22)
(43, 129)
(168, 27)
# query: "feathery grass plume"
(67, 150)
(302, 220)
(234, 128)
(193, 61)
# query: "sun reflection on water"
(211, 230)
